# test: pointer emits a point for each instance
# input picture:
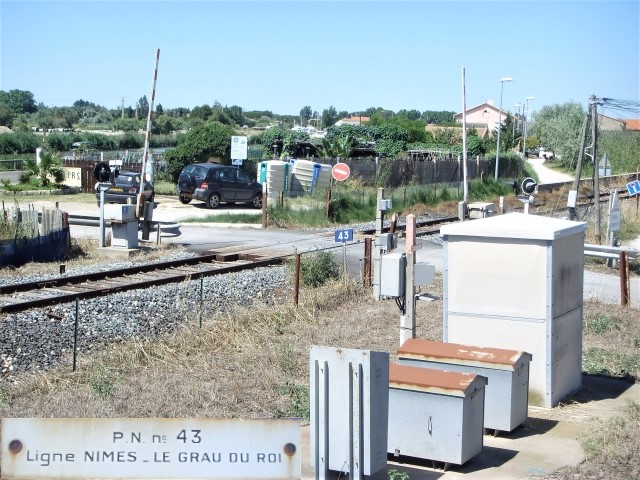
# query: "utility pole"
(377, 253)
(122, 109)
(408, 319)
(596, 174)
(573, 213)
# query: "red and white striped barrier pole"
(145, 156)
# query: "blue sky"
(281, 56)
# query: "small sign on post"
(238, 148)
(340, 171)
(633, 187)
(344, 235)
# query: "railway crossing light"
(529, 186)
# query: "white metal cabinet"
(515, 282)
(435, 415)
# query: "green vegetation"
(296, 393)
(102, 380)
(318, 269)
(48, 171)
(164, 188)
(600, 323)
(559, 127)
(622, 150)
(600, 361)
(203, 142)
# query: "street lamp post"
(526, 112)
(502, 80)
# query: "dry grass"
(245, 363)
(254, 363)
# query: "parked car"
(214, 184)
(124, 189)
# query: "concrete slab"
(549, 439)
(118, 252)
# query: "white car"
(546, 154)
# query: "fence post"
(75, 334)
(264, 205)
(367, 262)
(624, 289)
(296, 283)
(328, 206)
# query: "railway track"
(24, 296)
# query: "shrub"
(318, 269)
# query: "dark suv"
(215, 184)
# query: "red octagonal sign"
(340, 171)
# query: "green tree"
(438, 117)
(126, 124)
(559, 127)
(162, 124)
(202, 111)
(338, 147)
(329, 117)
(142, 107)
(50, 167)
(211, 139)
(6, 115)
(305, 115)
(20, 101)
(159, 109)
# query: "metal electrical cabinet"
(393, 268)
(507, 371)
(515, 281)
(124, 225)
(435, 415)
(349, 398)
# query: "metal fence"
(29, 235)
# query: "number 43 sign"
(344, 235)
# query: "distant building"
(481, 129)
(632, 125)
(608, 124)
(484, 115)
(354, 120)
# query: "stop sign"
(340, 171)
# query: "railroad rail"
(23, 296)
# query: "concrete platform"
(120, 252)
(548, 440)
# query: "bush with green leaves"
(19, 142)
(211, 139)
(318, 269)
(49, 168)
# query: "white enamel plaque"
(145, 448)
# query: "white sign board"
(72, 176)
(146, 448)
(238, 148)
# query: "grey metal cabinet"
(435, 415)
(507, 373)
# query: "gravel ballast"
(42, 338)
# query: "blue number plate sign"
(344, 235)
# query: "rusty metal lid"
(442, 352)
(456, 384)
